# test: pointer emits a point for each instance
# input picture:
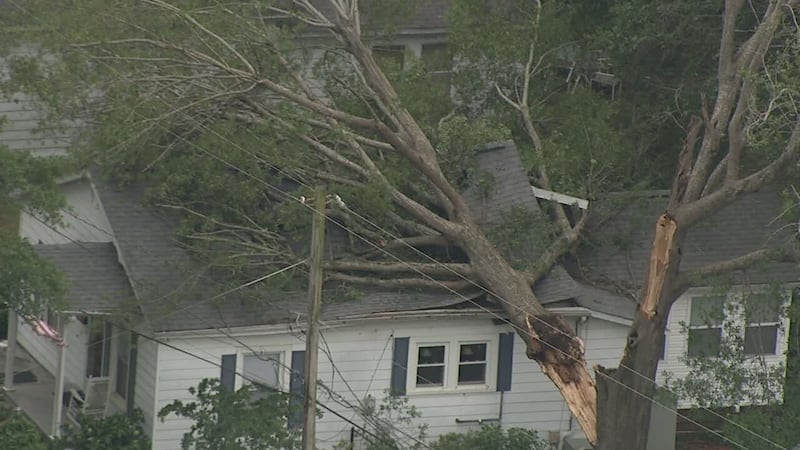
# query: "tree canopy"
(232, 112)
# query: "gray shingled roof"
(427, 16)
(620, 247)
(174, 297)
(97, 283)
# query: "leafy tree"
(120, 431)
(387, 425)
(224, 420)
(28, 183)
(224, 109)
(756, 398)
(17, 431)
(491, 437)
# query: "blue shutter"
(297, 389)
(228, 371)
(399, 367)
(505, 359)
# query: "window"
(705, 326)
(472, 364)
(262, 370)
(99, 348)
(431, 365)
(123, 363)
(390, 58)
(453, 365)
(762, 318)
(437, 60)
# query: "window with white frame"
(451, 365)
(705, 326)
(262, 371)
(431, 365)
(472, 363)
(762, 323)
(753, 317)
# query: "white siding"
(83, 220)
(362, 352)
(45, 351)
(677, 342)
(145, 390)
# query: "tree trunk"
(625, 395)
(548, 339)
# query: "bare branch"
(686, 278)
(430, 269)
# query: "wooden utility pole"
(312, 337)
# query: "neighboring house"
(746, 303)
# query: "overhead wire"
(355, 233)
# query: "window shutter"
(399, 366)
(297, 388)
(505, 360)
(228, 371)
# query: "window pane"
(763, 308)
(704, 342)
(263, 369)
(707, 310)
(389, 57)
(431, 355)
(430, 376)
(473, 352)
(760, 340)
(472, 373)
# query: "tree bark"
(548, 339)
(625, 394)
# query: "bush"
(17, 431)
(120, 432)
(491, 437)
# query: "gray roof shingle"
(621, 245)
(96, 281)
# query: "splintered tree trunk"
(548, 339)
(625, 395)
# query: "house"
(470, 367)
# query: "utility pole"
(312, 337)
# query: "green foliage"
(491, 437)
(765, 394)
(390, 424)
(247, 419)
(26, 281)
(120, 431)
(523, 233)
(17, 431)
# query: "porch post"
(58, 390)
(11, 350)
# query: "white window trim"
(738, 316)
(284, 362)
(452, 355)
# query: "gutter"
(288, 327)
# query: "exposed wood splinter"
(659, 263)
